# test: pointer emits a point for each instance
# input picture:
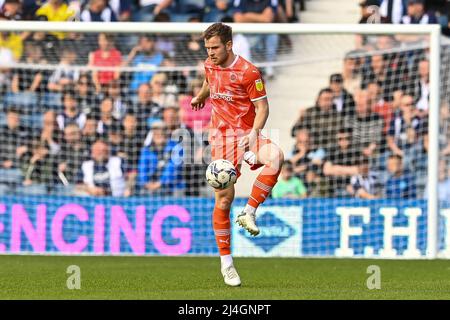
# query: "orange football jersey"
(232, 92)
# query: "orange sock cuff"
(262, 187)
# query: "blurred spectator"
(56, 10)
(148, 9)
(82, 44)
(393, 10)
(158, 89)
(396, 62)
(379, 105)
(288, 185)
(165, 43)
(11, 9)
(87, 100)
(404, 125)
(370, 12)
(130, 146)
(444, 130)
(120, 104)
(106, 56)
(176, 80)
(160, 166)
(216, 10)
(256, 11)
(364, 185)
(444, 182)
(342, 99)
(288, 10)
(49, 44)
(341, 163)
(30, 80)
(98, 11)
(401, 184)
(422, 88)
(6, 72)
(38, 169)
(122, 9)
(191, 144)
(195, 120)
(65, 74)
(143, 55)
(184, 10)
(107, 120)
(379, 71)
(89, 132)
(306, 161)
(13, 139)
(350, 75)
(114, 138)
(50, 134)
(73, 153)
(71, 113)
(13, 42)
(103, 174)
(191, 47)
(146, 109)
(29, 8)
(322, 121)
(416, 14)
(241, 45)
(366, 126)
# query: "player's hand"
(246, 142)
(197, 103)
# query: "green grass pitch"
(43, 277)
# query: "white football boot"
(248, 222)
(231, 277)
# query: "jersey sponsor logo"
(222, 96)
(259, 85)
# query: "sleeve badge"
(259, 85)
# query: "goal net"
(101, 152)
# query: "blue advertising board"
(182, 226)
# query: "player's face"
(217, 51)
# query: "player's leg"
(270, 156)
(222, 230)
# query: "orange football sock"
(262, 186)
(221, 226)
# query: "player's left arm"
(256, 91)
(262, 113)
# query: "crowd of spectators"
(78, 116)
(99, 131)
(407, 12)
(367, 134)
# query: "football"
(221, 174)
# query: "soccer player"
(240, 111)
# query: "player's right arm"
(198, 102)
